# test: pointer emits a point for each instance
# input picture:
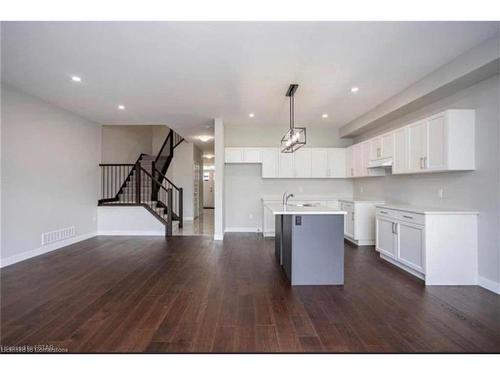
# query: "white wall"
(244, 186)
(128, 221)
(180, 172)
(124, 143)
(477, 190)
(50, 172)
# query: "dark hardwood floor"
(191, 294)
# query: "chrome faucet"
(286, 197)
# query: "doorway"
(208, 189)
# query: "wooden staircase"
(144, 183)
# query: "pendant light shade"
(294, 138)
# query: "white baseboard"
(131, 233)
(45, 249)
(491, 285)
(244, 229)
(218, 237)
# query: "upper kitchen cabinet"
(270, 162)
(349, 164)
(336, 162)
(443, 142)
(243, 155)
(319, 163)
(400, 162)
(286, 168)
(382, 146)
(302, 163)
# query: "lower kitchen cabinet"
(416, 241)
(359, 223)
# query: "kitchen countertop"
(304, 197)
(277, 209)
(426, 210)
(362, 201)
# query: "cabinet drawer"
(386, 212)
(411, 217)
(346, 206)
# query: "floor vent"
(57, 235)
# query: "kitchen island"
(309, 244)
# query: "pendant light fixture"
(294, 138)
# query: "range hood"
(380, 163)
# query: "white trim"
(45, 249)
(218, 237)
(131, 233)
(491, 285)
(244, 229)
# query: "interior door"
(400, 162)
(319, 163)
(436, 144)
(386, 239)
(411, 245)
(208, 189)
(418, 145)
(285, 165)
(302, 163)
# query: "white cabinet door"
(385, 237)
(436, 144)
(357, 158)
(349, 224)
(252, 155)
(366, 150)
(285, 165)
(376, 148)
(302, 163)
(411, 245)
(319, 163)
(233, 155)
(349, 166)
(270, 162)
(400, 158)
(387, 145)
(336, 162)
(417, 145)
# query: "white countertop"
(426, 210)
(362, 201)
(303, 197)
(278, 209)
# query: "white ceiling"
(184, 74)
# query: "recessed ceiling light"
(208, 156)
(121, 106)
(76, 79)
(354, 89)
(324, 115)
(205, 138)
(251, 115)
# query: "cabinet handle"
(383, 212)
(425, 162)
(408, 217)
(421, 159)
(395, 228)
(392, 228)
